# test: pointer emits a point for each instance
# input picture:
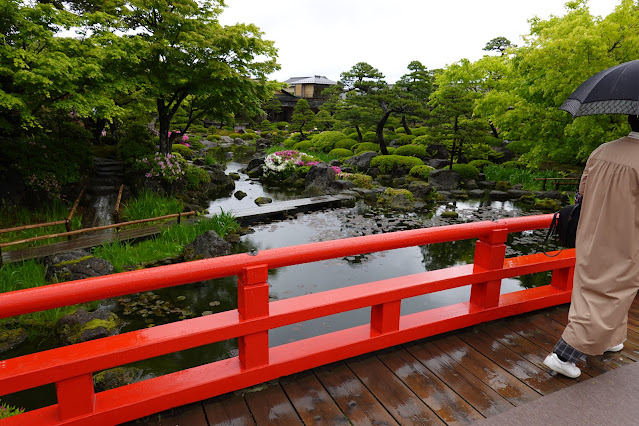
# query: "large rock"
(438, 163)
(508, 155)
(116, 377)
(82, 326)
(438, 151)
(363, 161)
(75, 265)
(444, 179)
(226, 139)
(254, 164)
(421, 190)
(319, 179)
(207, 245)
(11, 339)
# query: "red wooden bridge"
(71, 368)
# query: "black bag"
(564, 226)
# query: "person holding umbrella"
(606, 277)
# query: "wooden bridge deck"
(245, 217)
(456, 378)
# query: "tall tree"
(499, 44)
(303, 117)
(416, 85)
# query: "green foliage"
(9, 410)
(421, 171)
(514, 164)
(248, 136)
(519, 176)
(369, 137)
(359, 179)
(148, 204)
(303, 118)
(196, 176)
(281, 125)
(481, 151)
(411, 151)
(289, 143)
(386, 163)
(304, 145)
(365, 146)
(209, 160)
(22, 275)
(466, 171)
(420, 131)
(166, 167)
(326, 141)
(519, 147)
(346, 143)
(341, 153)
(480, 164)
(423, 140)
(135, 143)
(183, 150)
(400, 130)
(405, 139)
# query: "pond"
(204, 298)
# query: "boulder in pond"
(207, 245)
(319, 179)
(116, 377)
(12, 338)
(75, 265)
(82, 326)
(444, 179)
(263, 200)
(363, 161)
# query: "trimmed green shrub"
(304, 146)
(482, 151)
(365, 146)
(391, 150)
(195, 176)
(411, 151)
(359, 179)
(466, 171)
(421, 171)
(405, 139)
(400, 130)
(281, 125)
(248, 136)
(346, 143)
(386, 163)
(519, 147)
(183, 150)
(289, 143)
(369, 137)
(326, 141)
(423, 140)
(214, 137)
(341, 152)
(420, 131)
(480, 164)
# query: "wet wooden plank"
(532, 375)
(447, 404)
(353, 398)
(522, 346)
(187, 415)
(271, 406)
(479, 395)
(311, 401)
(228, 410)
(487, 371)
(394, 395)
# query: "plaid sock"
(565, 352)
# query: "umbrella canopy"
(612, 91)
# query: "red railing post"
(76, 396)
(252, 302)
(385, 317)
(490, 252)
(562, 278)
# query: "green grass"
(516, 176)
(8, 410)
(14, 216)
(149, 204)
(166, 245)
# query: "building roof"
(317, 79)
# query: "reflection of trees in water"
(444, 255)
(535, 280)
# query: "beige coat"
(607, 248)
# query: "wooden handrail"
(97, 228)
(34, 225)
(71, 367)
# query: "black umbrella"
(612, 91)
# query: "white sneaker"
(615, 348)
(568, 369)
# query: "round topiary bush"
(519, 147)
(196, 176)
(304, 146)
(400, 130)
(183, 150)
(289, 143)
(365, 146)
(248, 136)
(421, 172)
(346, 143)
(341, 152)
(480, 164)
(386, 163)
(412, 151)
(420, 131)
(423, 140)
(405, 139)
(326, 141)
(281, 125)
(466, 171)
(369, 137)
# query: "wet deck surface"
(456, 378)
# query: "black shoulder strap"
(552, 230)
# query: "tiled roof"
(317, 79)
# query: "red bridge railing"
(71, 368)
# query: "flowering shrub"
(8, 411)
(168, 167)
(289, 161)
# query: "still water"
(205, 298)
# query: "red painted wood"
(71, 367)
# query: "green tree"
(416, 85)
(499, 44)
(303, 117)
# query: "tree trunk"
(405, 125)
(452, 152)
(165, 123)
(379, 131)
(493, 129)
(359, 134)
